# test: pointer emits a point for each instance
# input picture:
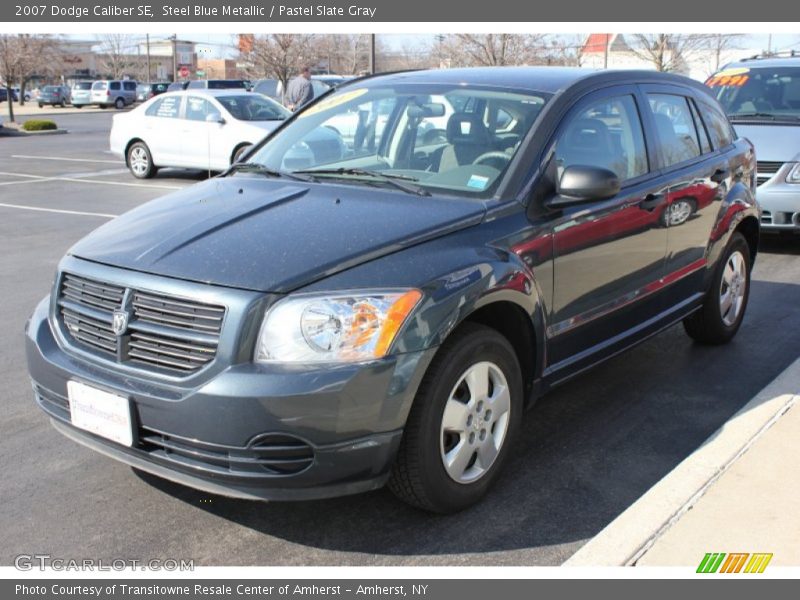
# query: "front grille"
(766, 170)
(277, 454)
(164, 332)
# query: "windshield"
(443, 138)
(769, 93)
(253, 107)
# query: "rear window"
(226, 84)
(268, 88)
(82, 85)
(50, 88)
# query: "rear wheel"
(119, 103)
(140, 161)
(723, 309)
(463, 420)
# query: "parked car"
(199, 129)
(118, 94)
(387, 316)
(762, 98)
(4, 94)
(177, 86)
(81, 93)
(268, 87)
(54, 95)
(145, 91)
(28, 94)
(218, 84)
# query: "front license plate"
(100, 413)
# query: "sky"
(223, 45)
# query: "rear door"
(162, 131)
(609, 254)
(129, 91)
(698, 173)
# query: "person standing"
(299, 90)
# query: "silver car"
(762, 99)
(81, 93)
(115, 93)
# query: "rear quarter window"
(719, 128)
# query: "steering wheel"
(495, 158)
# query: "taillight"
(108, 92)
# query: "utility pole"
(372, 53)
(174, 39)
(605, 50)
(147, 42)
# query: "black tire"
(41, 105)
(77, 105)
(136, 153)
(119, 103)
(708, 325)
(418, 475)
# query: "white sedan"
(194, 129)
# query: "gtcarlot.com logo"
(734, 562)
(28, 562)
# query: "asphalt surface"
(588, 450)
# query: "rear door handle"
(651, 201)
(720, 175)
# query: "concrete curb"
(628, 537)
(13, 132)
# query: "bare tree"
(117, 54)
(718, 44)
(22, 57)
(279, 55)
(491, 49)
(667, 51)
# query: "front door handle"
(651, 201)
(720, 175)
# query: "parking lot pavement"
(588, 450)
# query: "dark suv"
(300, 328)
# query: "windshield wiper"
(394, 179)
(258, 168)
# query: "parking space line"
(58, 210)
(98, 160)
(102, 181)
(26, 181)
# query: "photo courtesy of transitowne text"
(412, 301)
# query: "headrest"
(467, 128)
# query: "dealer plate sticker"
(100, 413)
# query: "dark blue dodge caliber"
(314, 323)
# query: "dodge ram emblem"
(120, 322)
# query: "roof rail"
(781, 54)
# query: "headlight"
(347, 327)
(794, 174)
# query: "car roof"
(766, 62)
(536, 79)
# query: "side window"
(705, 143)
(167, 107)
(129, 85)
(114, 85)
(607, 134)
(197, 109)
(675, 126)
(718, 126)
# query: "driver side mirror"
(583, 183)
(215, 118)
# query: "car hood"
(773, 142)
(270, 235)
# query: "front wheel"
(464, 418)
(723, 309)
(140, 161)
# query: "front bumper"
(780, 202)
(248, 431)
